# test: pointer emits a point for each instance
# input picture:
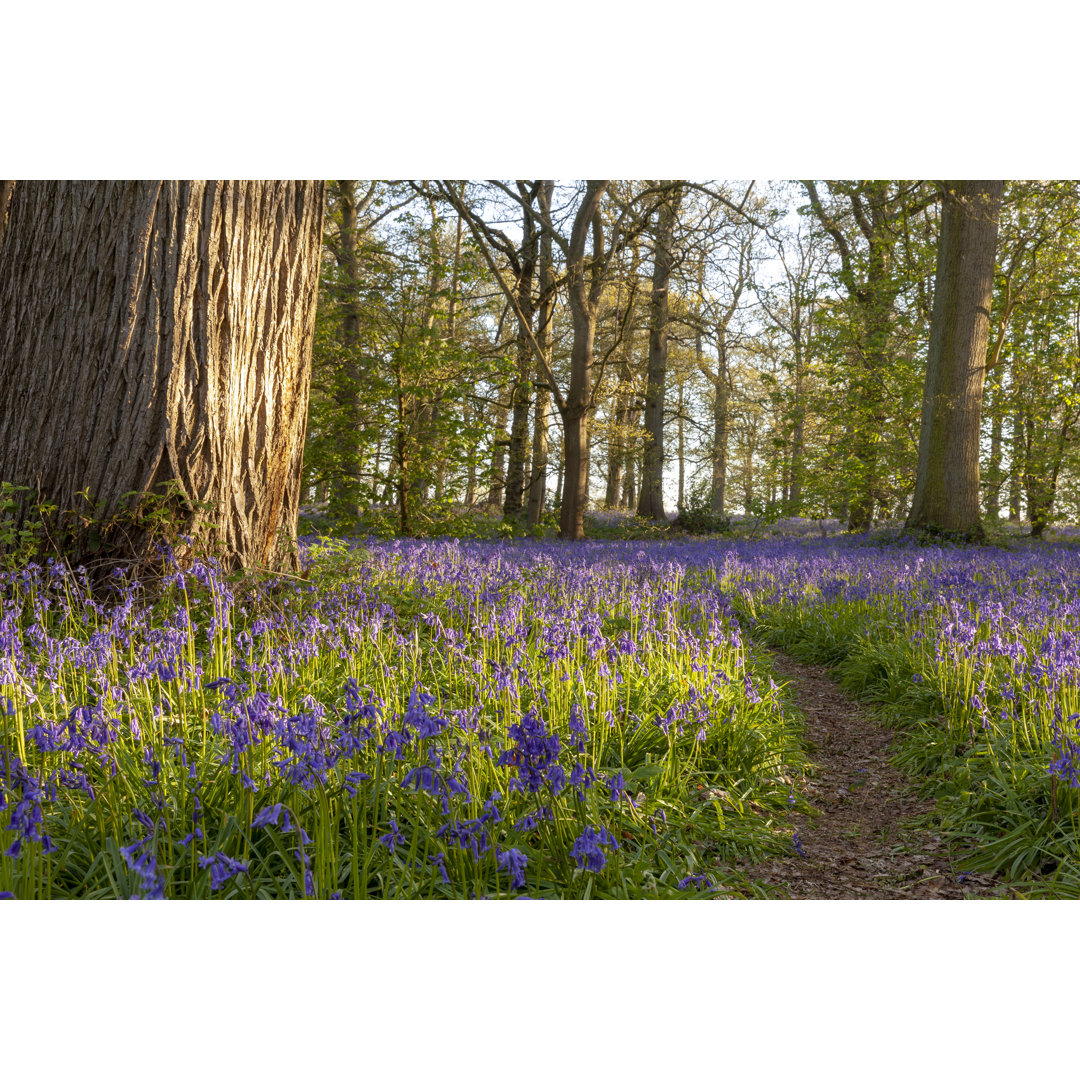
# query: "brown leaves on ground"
(863, 844)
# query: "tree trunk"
(629, 491)
(1016, 451)
(451, 338)
(157, 335)
(681, 502)
(616, 453)
(545, 337)
(519, 426)
(798, 432)
(583, 296)
(718, 495)
(993, 471)
(946, 495)
(575, 488)
(497, 475)
(651, 500)
(345, 499)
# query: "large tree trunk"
(651, 500)
(158, 334)
(946, 495)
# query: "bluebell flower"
(423, 778)
(393, 837)
(268, 816)
(352, 781)
(222, 869)
(587, 848)
(513, 862)
(439, 859)
(701, 881)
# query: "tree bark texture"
(159, 333)
(946, 495)
(651, 499)
(6, 189)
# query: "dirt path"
(862, 846)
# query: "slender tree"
(544, 339)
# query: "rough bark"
(6, 189)
(651, 499)
(159, 333)
(946, 495)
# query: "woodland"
(698, 350)
(652, 539)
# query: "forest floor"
(865, 843)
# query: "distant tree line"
(524, 347)
(529, 349)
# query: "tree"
(868, 248)
(588, 257)
(651, 499)
(155, 338)
(946, 495)
(544, 338)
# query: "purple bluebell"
(513, 862)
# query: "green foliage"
(697, 517)
(696, 800)
(21, 537)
